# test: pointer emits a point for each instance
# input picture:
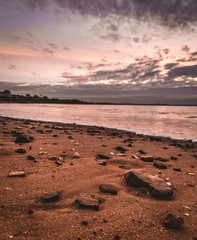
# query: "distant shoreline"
(100, 103)
(7, 97)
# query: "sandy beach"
(68, 182)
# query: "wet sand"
(63, 159)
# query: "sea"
(176, 122)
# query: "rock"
(120, 149)
(156, 186)
(17, 174)
(86, 201)
(84, 223)
(40, 131)
(30, 211)
(58, 128)
(141, 151)
(170, 221)
(53, 158)
(161, 159)
(117, 237)
(177, 169)
(147, 158)
(31, 158)
(58, 163)
(23, 139)
(103, 163)
(101, 156)
(55, 135)
(108, 188)
(20, 150)
(76, 155)
(160, 165)
(50, 197)
(173, 158)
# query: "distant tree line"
(7, 97)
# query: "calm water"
(173, 121)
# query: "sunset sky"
(131, 51)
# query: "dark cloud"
(185, 48)
(194, 53)
(166, 50)
(113, 27)
(170, 65)
(151, 74)
(136, 39)
(11, 66)
(190, 71)
(48, 51)
(115, 37)
(171, 13)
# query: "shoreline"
(194, 140)
(51, 184)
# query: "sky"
(118, 51)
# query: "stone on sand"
(108, 188)
(170, 221)
(86, 201)
(102, 156)
(156, 186)
(20, 150)
(160, 165)
(17, 174)
(23, 139)
(50, 197)
(147, 158)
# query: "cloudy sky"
(131, 51)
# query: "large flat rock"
(86, 201)
(156, 186)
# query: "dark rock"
(103, 163)
(58, 163)
(31, 158)
(70, 137)
(84, 223)
(161, 159)
(120, 149)
(160, 165)
(40, 131)
(55, 135)
(46, 126)
(141, 151)
(156, 186)
(30, 212)
(86, 201)
(20, 150)
(50, 197)
(165, 147)
(104, 145)
(53, 158)
(170, 221)
(177, 169)
(117, 237)
(147, 158)
(48, 131)
(108, 188)
(105, 221)
(17, 174)
(22, 139)
(173, 158)
(101, 156)
(129, 145)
